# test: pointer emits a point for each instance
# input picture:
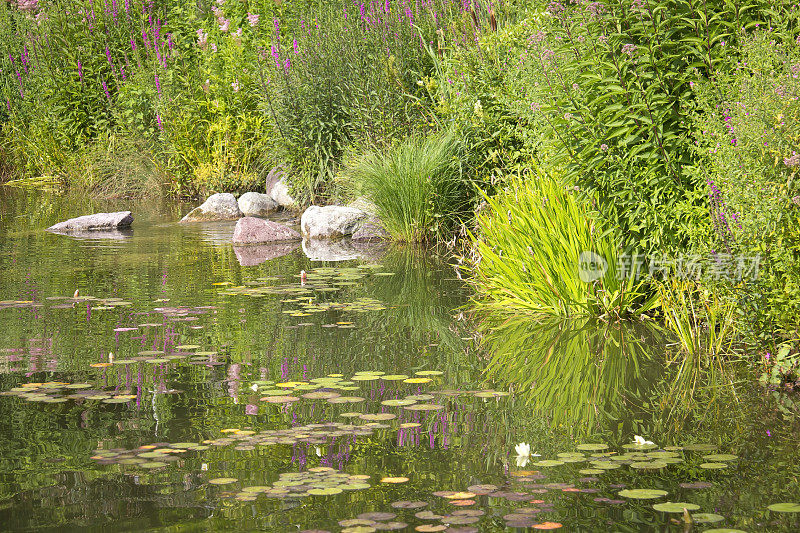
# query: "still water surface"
(191, 386)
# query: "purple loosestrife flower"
(80, 71)
(158, 86)
(296, 48)
(158, 119)
(105, 89)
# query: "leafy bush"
(601, 91)
(350, 76)
(535, 240)
(747, 143)
(419, 187)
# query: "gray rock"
(331, 222)
(279, 192)
(251, 230)
(256, 254)
(98, 221)
(255, 204)
(220, 206)
(370, 231)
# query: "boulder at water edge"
(331, 222)
(279, 192)
(370, 231)
(220, 206)
(255, 204)
(251, 230)
(98, 221)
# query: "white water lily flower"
(641, 440)
(524, 454)
(254, 387)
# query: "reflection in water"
(193, 329)
(576, 372)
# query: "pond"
(160, 379)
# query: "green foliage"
(420, 188)
(747, 141)
(532, 241)
(702, 321)
(350, 78)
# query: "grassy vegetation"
(419, 187)
(534, 245)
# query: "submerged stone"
(221, 206)
(251, 230)
(95, 222)
(331, 222)
(256, 204)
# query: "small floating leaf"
(720, 457)
(592, 447)
(713, 466)
(785, 507)
(642, 494)
(675, 507)
(223, 480)
(394, 480)
(707, 518)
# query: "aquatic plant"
(543, 251)
(419, 188)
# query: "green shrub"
(601, 91)
(419, 188)
(747, 146)
(532, 241)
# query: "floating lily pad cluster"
(245, 439)
(150, 456)
(158, 357)
(319, 481)
(596, 459)
(95, 302)
(61, 391)
(305, 292)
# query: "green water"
(219, 337)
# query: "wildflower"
(524, 454)
(792, 161)
(628, 49)
(478, 109)
(640, 441)
(252, 19)
(202, 38)
(604, 147)
(296, 48)
(235, 85)
(158, 119)
(224, 24)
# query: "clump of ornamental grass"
(543, 251)
(419, 187)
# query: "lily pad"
(707, 518)
(675, 507)
(713, 466)
(223, 480)
(591, 447)
(642, 494)
(785, 507)
(720, 457)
